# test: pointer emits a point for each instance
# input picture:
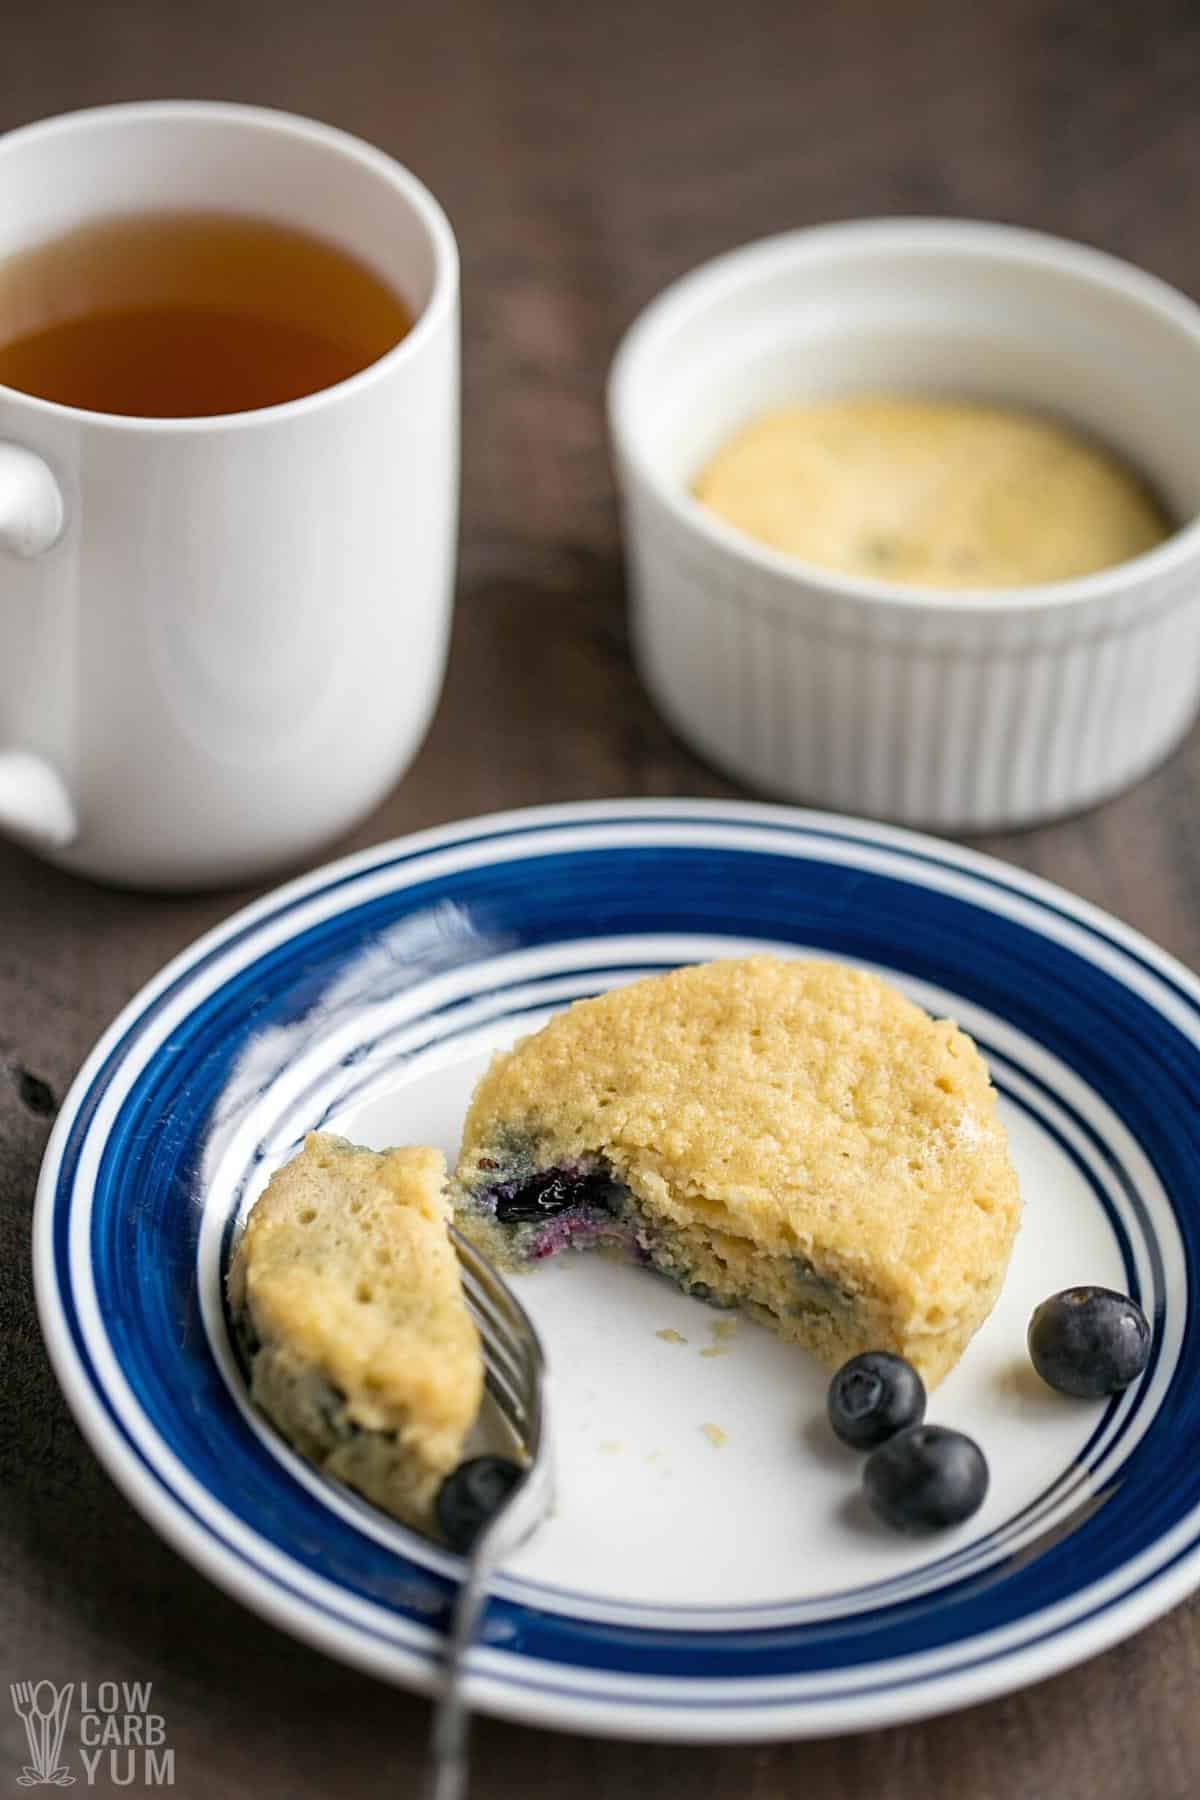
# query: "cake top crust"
(803, 1104)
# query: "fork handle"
(452, 1718)
(448, 1775)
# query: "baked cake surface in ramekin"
(345, 1294)
(795, 1139)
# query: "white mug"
(222, 639)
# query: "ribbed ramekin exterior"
(926, 714)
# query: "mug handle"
(34, 803)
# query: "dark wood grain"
(586, 155)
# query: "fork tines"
(511, 1353)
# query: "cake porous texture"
(346, 1297)
(795, 1139)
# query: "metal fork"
(515, 1373)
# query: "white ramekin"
(957, 710)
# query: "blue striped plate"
(710, 1572)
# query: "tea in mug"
(189, 314)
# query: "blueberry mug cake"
(794, 1139)
(931, 492)
(346, 1298)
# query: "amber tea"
(189, 314)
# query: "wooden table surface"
(586, 155)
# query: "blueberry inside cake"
(794, 1139)
(346, 1299)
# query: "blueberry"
(1089, 1341)
(925, 1478)
(551, 1192)
(874, 1396)
(471, 1495)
